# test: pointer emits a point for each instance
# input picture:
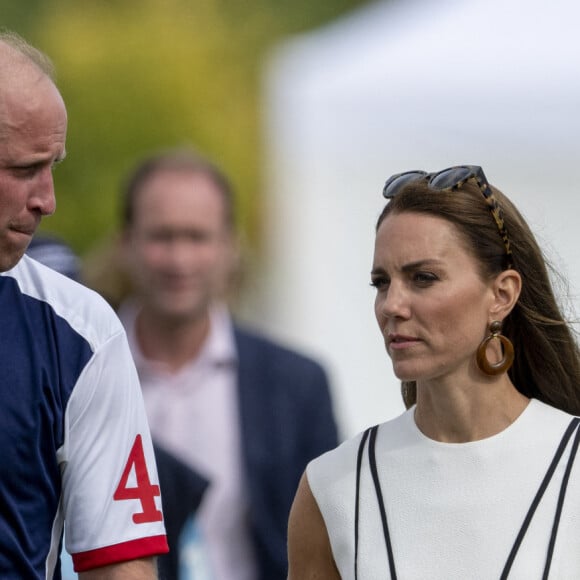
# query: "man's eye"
(160, 237)
(25, 170)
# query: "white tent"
(397, 86)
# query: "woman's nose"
(393, 303)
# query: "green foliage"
(143, 75)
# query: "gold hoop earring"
(502, 365)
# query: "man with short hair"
(76, 450)
(243, 412)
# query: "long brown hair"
(547, 361)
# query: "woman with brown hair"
(477, 478)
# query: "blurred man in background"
(245, 413)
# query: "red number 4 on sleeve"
(144, 491)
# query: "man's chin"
(181, 313)
(9, 259)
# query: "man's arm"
(141, 569)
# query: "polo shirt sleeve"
(111, 497)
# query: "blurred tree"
(139, 75)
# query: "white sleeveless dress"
(453, 510)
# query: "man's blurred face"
(179, 248)
(33, 125)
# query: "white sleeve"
(111, 498)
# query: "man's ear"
(230, 277)
(506, 290)
(122, 244)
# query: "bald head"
(16, 54)
(22, 69)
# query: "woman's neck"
(466, 412)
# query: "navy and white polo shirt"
(75, 448)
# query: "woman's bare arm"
(309, 552)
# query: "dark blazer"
(182, 490)
(286, 420)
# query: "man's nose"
(42, 198)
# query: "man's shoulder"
(83, 309)
(247, 335)
(251, 341)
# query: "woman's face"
(432, 305)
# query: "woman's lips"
(401, 341)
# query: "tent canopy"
(397, 86)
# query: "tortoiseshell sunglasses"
(451, 179)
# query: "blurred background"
(309, 107)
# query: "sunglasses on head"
(451, 179)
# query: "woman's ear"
(506, 289)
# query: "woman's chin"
(404, 372)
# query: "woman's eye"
(424, 278)
(379, 283)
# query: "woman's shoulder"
(545, 412)
(337, 467)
